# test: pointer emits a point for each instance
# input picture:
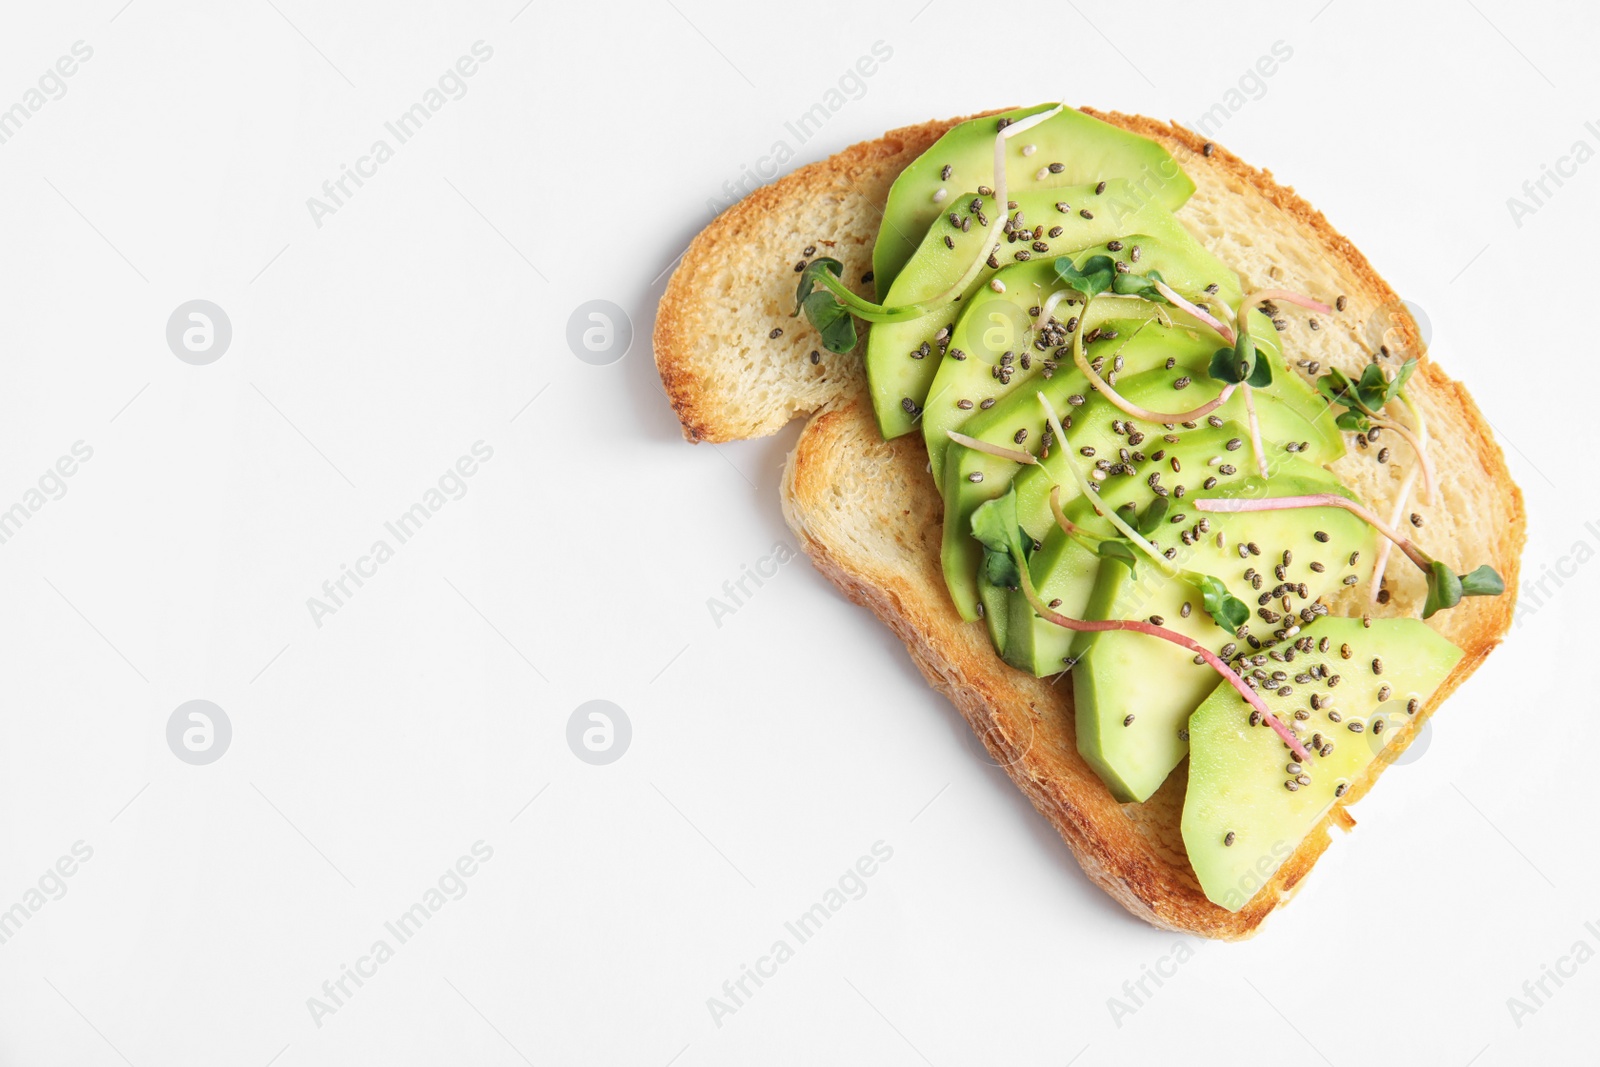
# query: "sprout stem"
(1127, 406)
(1425, 466)
(1049, 307)
(1283, 296)
(1419, 444)
(1204, 316)
(1150, 629)
(865, 309)
(1255, 432)
(1419, 448)
(862, 308)
(1000, 203)
(998, 451)
(1083, 484)
(1385, 549)
(1068, 527)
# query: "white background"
(771, 752)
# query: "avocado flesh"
(1123, 673)
(1088, 150)
(985, 601)
(898, 369)
(996, 612)
(1238, 773)
(1282, 412)
(993, 324)
(1063, 572)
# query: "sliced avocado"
(995, 350)
(903, 357)
(996, 617)
(1249, 804)
(1106, 432)
(1063, 572)
(1068, 149)
(1134, 692)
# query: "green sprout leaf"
(1097, 274)
(1485, 581)
(1261, 376)
(832, 321)
(1335, 386)
(1444, 589)
(1352, 420)
(1407, 368)
(1366, 396)
(1120, 551)
(1141, 285)
(1373, 388)
(808, 278)
(1225, 609)
(1238, 364)
(1000, 570)
(1244, 356)
(1223, 365)
(994, 524)
(824, 310)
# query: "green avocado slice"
(903, 357)
(1063, 572)
(995, 350)
(1249, 805)
(1134, 692)
(1069, 149)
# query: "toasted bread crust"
(688, 355)
(868, 514)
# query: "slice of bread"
(869, 515)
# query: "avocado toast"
(1133, 271)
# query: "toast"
(868, 514)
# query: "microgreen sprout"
(1364, 400)
(1446, 588)
(1240, 365)
(1097, 275)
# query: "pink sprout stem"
(998, 451)
(1417, 447)
(1152, 630)
(1127, 406)
(1284, 296)
(1204, 316)
(1255, 432)
(1387, 548)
